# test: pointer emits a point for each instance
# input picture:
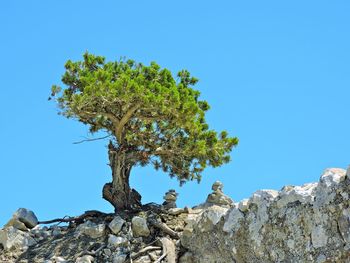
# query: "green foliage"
(147, 110)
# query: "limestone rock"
(27, 217)
(116, 224)
(91, 229)
(119, 258)
(139, 227)
(14, 222)
(85, 259)
(12, 238)
(243, 205)
(309, 223)
(303, 194)
(115, 241)
(58, 259)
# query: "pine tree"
(152, 118)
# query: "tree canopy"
(148, 111)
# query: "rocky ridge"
(309, 223)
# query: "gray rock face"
(309, 223)
(139, 227)
(12, 238)
(27, 217)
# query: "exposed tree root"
(168, 250)
(164, 228)
(143, 251)
(77, 219)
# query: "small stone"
(119, 258)
(117, 241)
(91, 229)
(139, 227)
(321, 259)
(116, 224)
(27, 217)
(177, 211)
(56, 231)
(59, 259)
(85, 259)
(107, 252)
(14, 222)
(243, 206)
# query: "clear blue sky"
(276, 74)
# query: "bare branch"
(92, 213)
(142, 251)
(165, 228)
(92, 139)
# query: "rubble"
(309, 223)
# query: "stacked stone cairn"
(170, 198)
(217, 197)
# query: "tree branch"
(142, 251)
(123, 121)
(93, 139)
(110, 116)
(92, 213)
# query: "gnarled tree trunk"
(118, 192)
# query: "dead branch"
(164, 228)
(68, 219)
(168, 250)
(92, 139)
(93, 252)
(143, 251)
(160, 259)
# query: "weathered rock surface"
(139, 227)
(12, 238)
(309, 223)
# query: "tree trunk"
(118, 192)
